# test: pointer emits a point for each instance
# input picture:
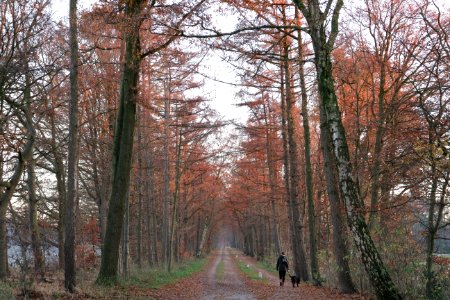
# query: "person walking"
(282, 267)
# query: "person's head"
(282, 253)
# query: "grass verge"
(156, 278)
(249, 271)
(220, 270)
(6, 291)
(268, 267)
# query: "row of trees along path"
(343, 159)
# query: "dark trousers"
(282, 274)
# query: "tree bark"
(139, 189)
(299, 256)
(308, 169)
(435, 213)
(175, 198)
(152, 231)
(125, 240)
(123, 143)
(72, 160)
(36, 244)
(341, 252)
(58, 166)
(376, 168)
(272, 178)
(166, 178)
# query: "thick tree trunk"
(123, 144)
(308, 169)
(341, 253)
(72, 161)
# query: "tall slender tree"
(72, 160)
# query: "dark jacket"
(282, 263)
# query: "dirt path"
(273, 290)
(230, 286)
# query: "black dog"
(294, 279)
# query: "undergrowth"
(249, 271)
(6, 291)
(267, 266)
(155, 278)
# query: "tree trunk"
(36, 244)
(3, 241)
(434, 217)
(166, 178)
(175, 198)
(31, 184)
(308, 169)
(203, 238)
(376, 168)
(58, 165)
(72, 160)
(431, 234)
(123, 144)
(297, 233)
(272, 178)
(341, 253)
(378, 274)
(139, 189)
(152, 255)
(125, 240)
(8, 192)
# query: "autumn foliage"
(200, 178)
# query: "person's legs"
(282, 277)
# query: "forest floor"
(228, 274)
